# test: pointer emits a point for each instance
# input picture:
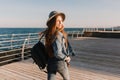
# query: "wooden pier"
(96, 59)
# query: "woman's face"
(59, 22)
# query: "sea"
(30, 30)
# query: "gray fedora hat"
(53, 14)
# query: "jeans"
(57, 66)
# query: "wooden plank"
(29, 71)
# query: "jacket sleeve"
(70, 51)
(58, 49)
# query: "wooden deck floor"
(26, 70)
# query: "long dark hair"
(51, 34)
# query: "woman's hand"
(67, 59)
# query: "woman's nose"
(61, 22)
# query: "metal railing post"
(29, 37)
(112, 29)
(78, 34)
(12, 36)
(104, 29)
(23, 48)
(72, 34)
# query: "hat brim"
(62, 14)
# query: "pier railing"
(14, 47)
(112, 29)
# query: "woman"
(57, 46)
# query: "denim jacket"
(59, 49)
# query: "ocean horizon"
(36, 30)
(29, 30)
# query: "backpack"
(39, 55)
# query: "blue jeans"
(57, 66)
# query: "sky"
(79, 13)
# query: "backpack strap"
(42, 34)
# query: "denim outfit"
(57, 63)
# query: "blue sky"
(79, 13)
